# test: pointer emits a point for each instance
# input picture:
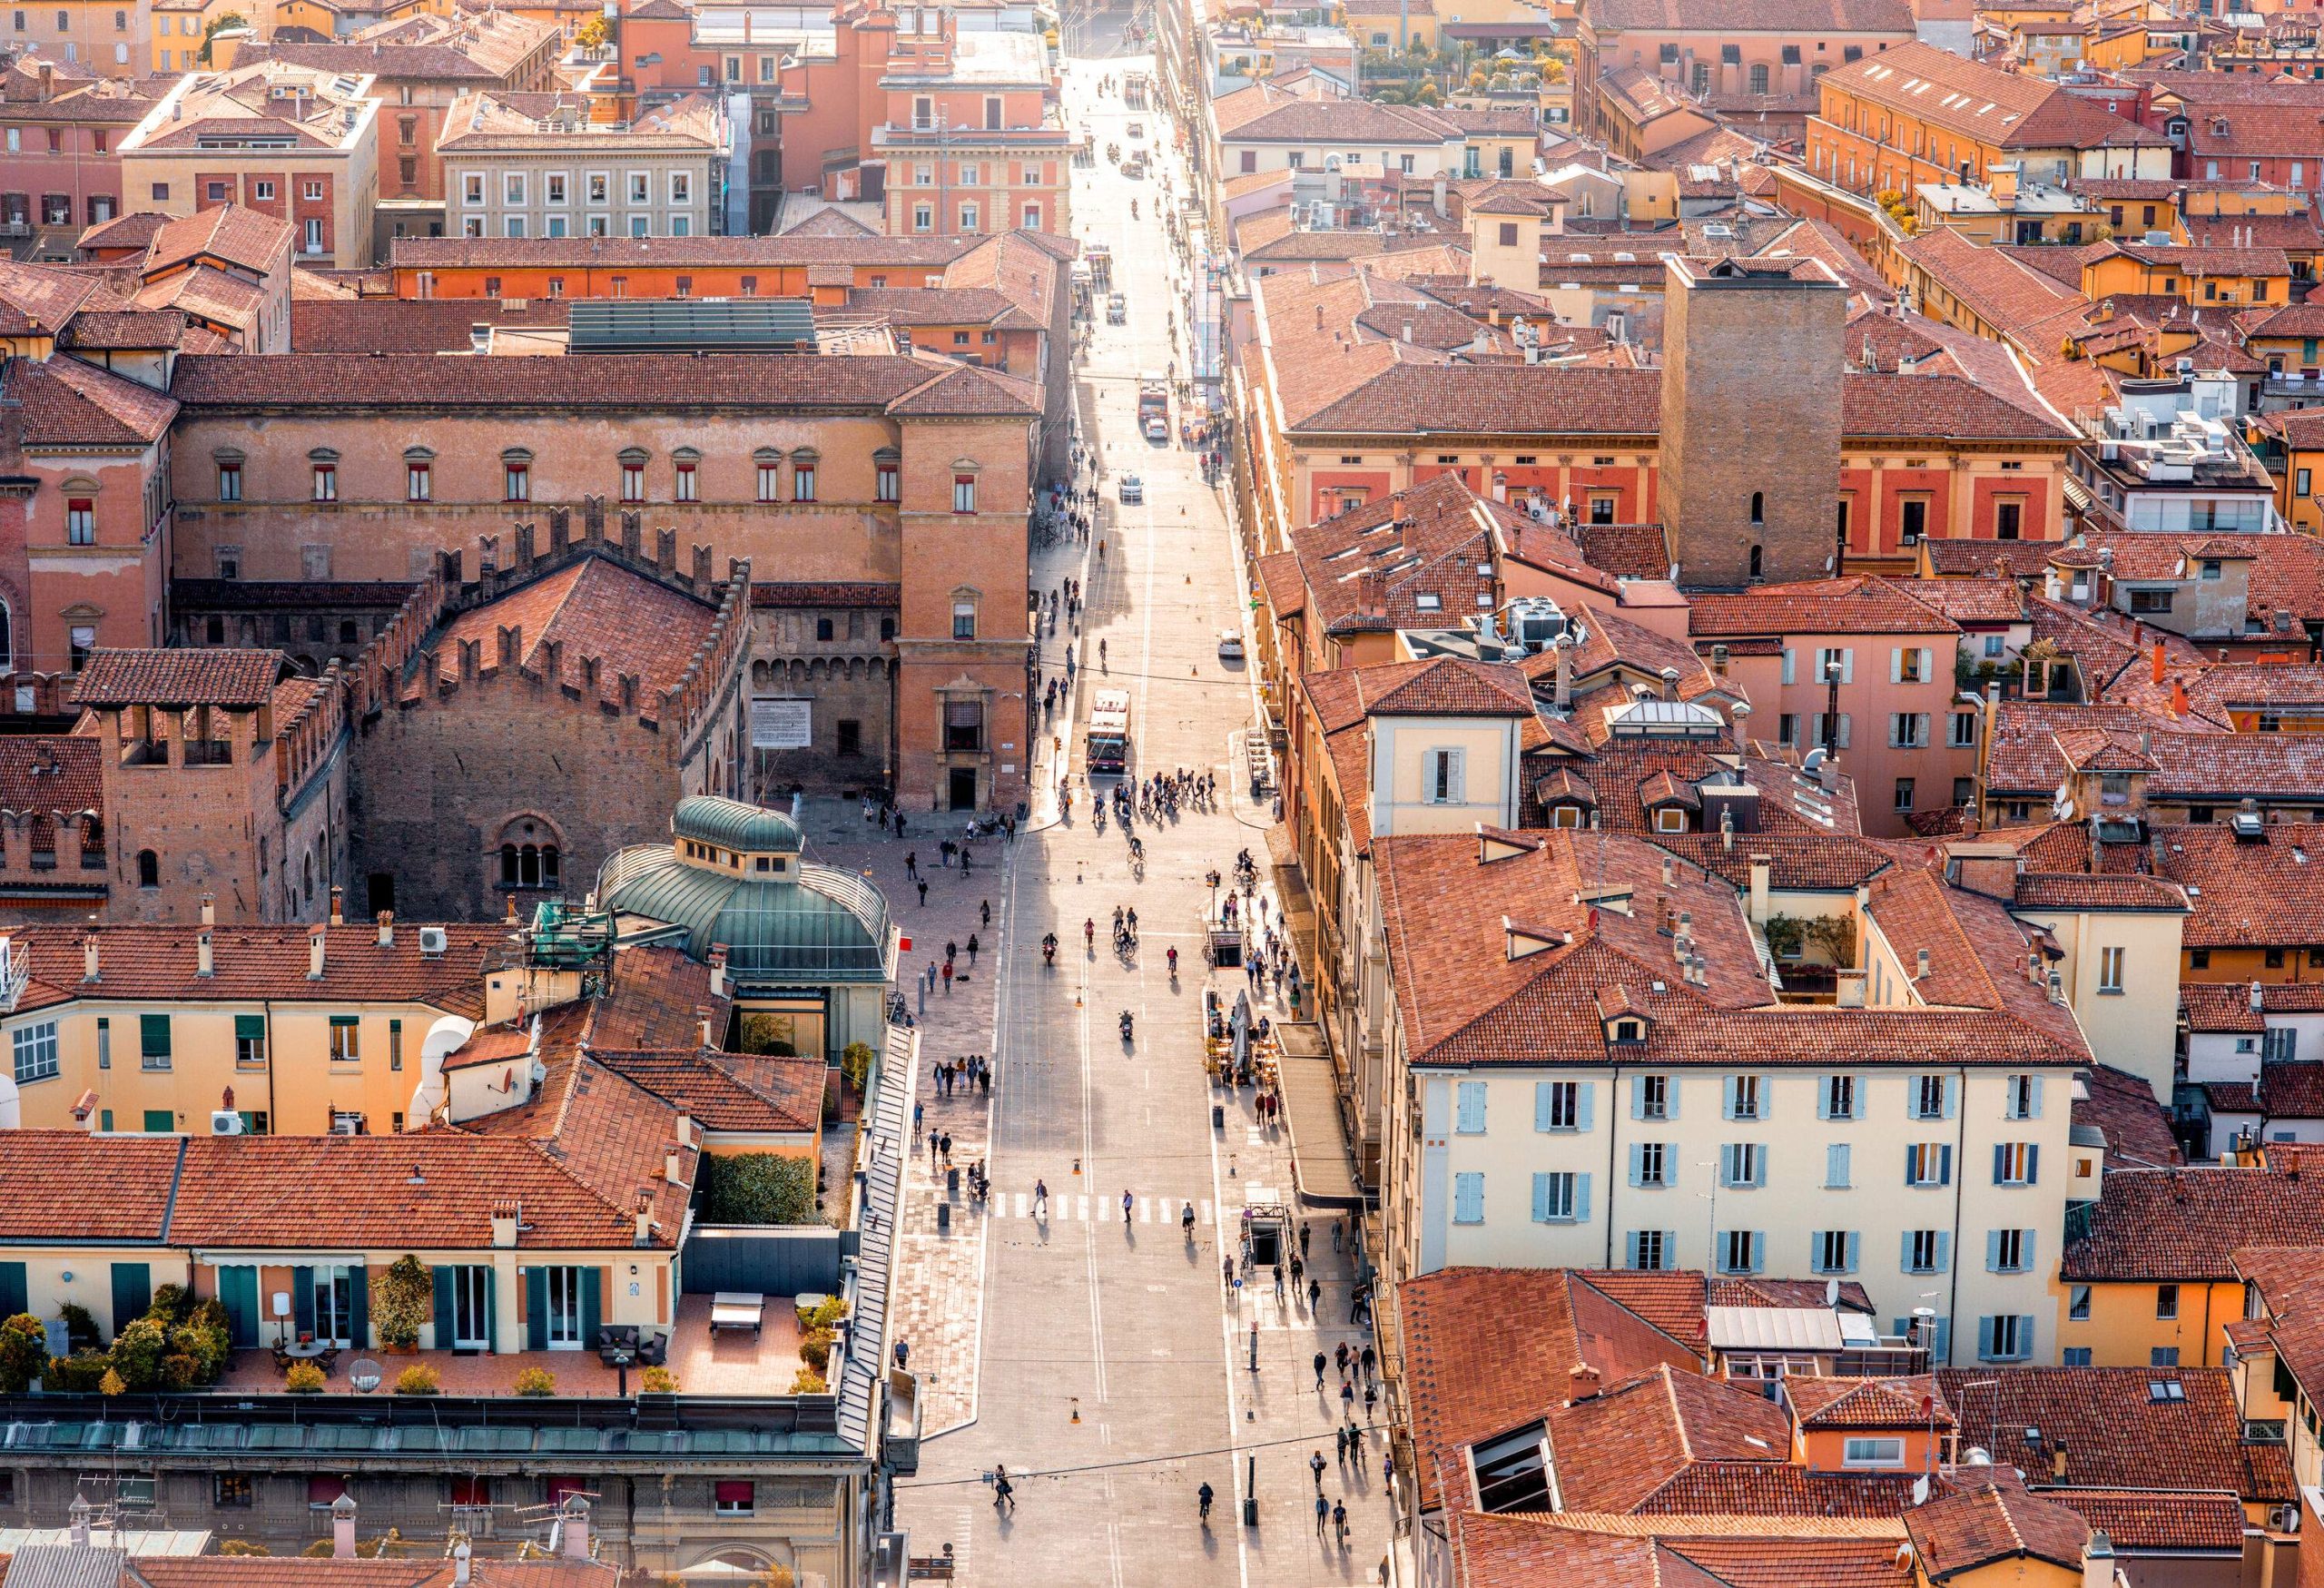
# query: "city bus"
(1108, 740)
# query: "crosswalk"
(1063, 1207)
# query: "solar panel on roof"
(685, 325)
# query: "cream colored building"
(536, 165)
(287, 141)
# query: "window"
(326, 483)
(1740, 1251)
(770, 480)
(1653, 1248)
(1559, 1105)
(2109, 970)
(1961, 729)
(2166, 1301)
(2016, 1163)
(802, 481)
(1561, 1198)
(1908, 730)
(1469, 1199)
(1742, 1165)
(2155, 601)
(633, 476)
(263, 192)
(416, 482)
(2078, 1303)
(1743, 1096)
(2025, 1096)
(1650, 1097)
(1916, 520)
(2007, 1338)
(34, 1051)
(1468, 1107)
(2164, 1355)
(1904, 794)
(1440, 777)
(517, 477)
(2009, 1251)
(346, 1039)
(2074, 1357)
(250, 1042)
(888, 478)
(2009, 518)
(230, 479)
(1928, 1251)
(80, 521)
(1928, 1163)
(230, 1490)
(685, 485)
(734, 1496)
(1834, 1251)
(964, 620)
(1837, 1154)
(964, 493)
(153, 1041)
(1887, 1450)
(963, 725)
(1839, 1097)
(1932, 1097)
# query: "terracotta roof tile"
(2216, 1007)
(2252, 891)
(50, 773)
(69, 1186)
(180, 678)
(253, 963)
(1856, 605)
(2144, 1520)
(2122, 1108)
(592, 607)
(1617, 1450)
(612, 381)
(2115, 1433)
(1959, 1533)
(2183, 1224)
(68, 403)
(2289, 1281)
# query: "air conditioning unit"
(2284, 1518)
(434, 940)
(225, 1122)
(344, 1123)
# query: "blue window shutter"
(1992, 1251)
(1952, 1096)
(1727, 1107)
(1638, 1097)
(1638, 1166)
(1632, 1241)
(1760, 1168)
(1758, 1252)
(1671, 1094)
(1815, 1251)
(1905, 1255)
(2024, 1335)
(1585, 1107)
(2025, 1250)
(1836, 1163)
(593, 1303)
(1856, 1248)
(1944, 1165)
(238, 1292)
(441, 1278)
(1727, 1163)
(1908, 1166)
(1541, 1091)
(1941, 1350)
(1823, 1096)
(1467, 1198)
(1945, 1251)
(1669, 1249)
(2032, 1165)
(535, 1308)
(1471, 1097)
(2001, 1161)
(1540, 1199)
(1582, 1198)
(14, 1291)
(1984, 1339)
(2036, 1100)
(492, 1308)
(358, 1307)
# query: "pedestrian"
(1335, 1223)
(900, 829)
(919, 1108)
(1347, 1400)
(1298, 1271)
(1315, 1295)
(911, 864)
(968, 862)
(1339, 1355)
(1278, 1281)
(944, 1145)
(984, 914)
(951, 951)
(1320, 1360)
(1040, 1199)
(1370, 1398)
(1315, 1466)
(1370, 1361)
(973, 948)
(1323, 1506)
(1128, 1202)
(1339, 1520)
(948, 978)
(1004, 1493)
(923, 895)
(931, 1143)
(984, 1081)
(1304, 1231)
(1339, 1444)
(903, 1353)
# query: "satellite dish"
(1831, 1293)
(1920, 1490)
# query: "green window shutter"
(161, 1119)
(132, 1292)
(250, 1028)
(358, 1306)
(442, 1276)
(346, 1020)
(592, 1305)
(535, 1308)
(14, 1295)
(238, 1293)
(154, 1036)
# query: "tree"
(218, 25)
(23, 1353)
(758, 1188)
(591, 34)
(403, 1299)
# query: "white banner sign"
(782, 725)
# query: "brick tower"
(1750, 458)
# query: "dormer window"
(1626, 1030)
(1670, 819)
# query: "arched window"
(1758, 507)
(7, 640)
(149, 869)
(529, 857)
(1755, 561)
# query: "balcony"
(728, 1362)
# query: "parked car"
(1137, 129)
(1132, 488)
(1158, 429)
(1117, 310)
(1230, 646)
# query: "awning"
(1311, 1106)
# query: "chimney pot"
(88, 958)
(338, 903)
(315, 939)
(209, 910)
(387, 929)
(205, 964)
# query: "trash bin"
(1219, 1115)
(943, 1215)
(951, 1183)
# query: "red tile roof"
(1856, 605)
(1615, 1450)
(1486, 1349)
(1867, 1403)
(2183, 1225)
(231, 678)
(162, 963)
(2113, 1430)
(592, 607)
(2290, 1284)
(2163, 1523)
(2248, 893)
(249, 240)
(2122, 1108)
(1529, 1550)
(50, 773)
(2210, 1006)
(67, 403)
(1958, 1534)
(73, 1187)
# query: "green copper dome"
(713, 819)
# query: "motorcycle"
(1125, 1025)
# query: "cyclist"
(1204, 1497)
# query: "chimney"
(506, 1219)
(2098, 1560)
(80, 1512)
(342, 1528)
(1762, 874)
(1669, 683)
(1666, 870)
(577, 1528)
(702, 1022)
(2158, 661)
(718, 970)
(2258, 1002)
(205, 964)
(671, 1161)
(338, 906)
(1565, 673)
(315, 936)
(644, 1236)
(209, 910)
(2180, 704)
(387, 929)
(88, 958)
(460, 1577)
(1920, 965)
